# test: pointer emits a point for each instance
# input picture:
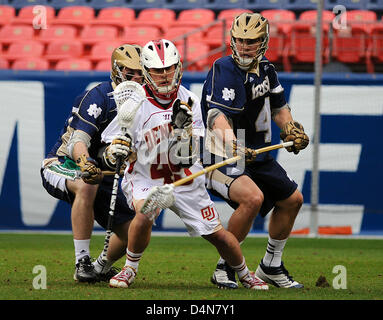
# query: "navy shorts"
(56, 187)
(268, 175)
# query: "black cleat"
(85, 271)
(105, 277)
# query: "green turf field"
(179, 268)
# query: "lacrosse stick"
(129, 96)
(69, 170)
(163, 197)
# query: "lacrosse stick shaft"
(112, 207)
(229, 161)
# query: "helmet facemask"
(249, 39)
(162, 68)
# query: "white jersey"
(150, 133)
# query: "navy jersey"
(246, 98)
(92, 111)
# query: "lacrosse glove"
(182, 117)
(293, 131)
(120, 147)
(89, 167)
(240, 150)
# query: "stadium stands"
(92, 28)
(32, 63)
(74, 65)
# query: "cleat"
(224, 277)
(251, 281)
(105, 277)
(124, 278)
(84, 271)
(277, 276)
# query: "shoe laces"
(126, 272)
(286, 273)
(252, 280)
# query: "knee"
(252, 201)
(86, 192)
(297, 200)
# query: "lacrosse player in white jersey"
(161, 134)
(89, 197)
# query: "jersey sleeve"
(89, 112)
(277, 93)
(224, 89)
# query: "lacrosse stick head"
(158, 199)
(129, 96)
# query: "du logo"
(40, 17)
(340, 20)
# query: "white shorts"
(193, 205)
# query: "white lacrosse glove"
(121, 147)
(159, 198)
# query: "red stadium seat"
(14, 33)
(103, 65)
(194, 18)
(176, 32)
(4, 64)
(195, 52)
(30, 64)
(361, 19)
(7, 14)
(23, 49)
(213, 37)
(94, 34)
(302, 43)
(78, 16)
(74, 65)
(118, 17)
(103, 50)
(350, 44)
(160, 18)
(377, 43)
(63, 49)
(282, 19)
(310, 16)
(56, 33)
(27, 15)
(140, 35)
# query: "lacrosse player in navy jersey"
(80, 141)
(240, 97)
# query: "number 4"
(263, 122)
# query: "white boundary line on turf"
(185, 234)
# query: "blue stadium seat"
(58, 4)
(376, 5)
(224, 4)
(258, 5)
(183, 4)
(100, 4)
(350, 5)
(297, 5)
(18, 4)
(144, 4)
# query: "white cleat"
(277, 276)
(250, 281)
(124, 278)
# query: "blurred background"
(52, 50)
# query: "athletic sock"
(133, 259)
(274, 250)
(102, 266)
(241, 269)
(81, 249)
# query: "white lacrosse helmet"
(160, 54)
